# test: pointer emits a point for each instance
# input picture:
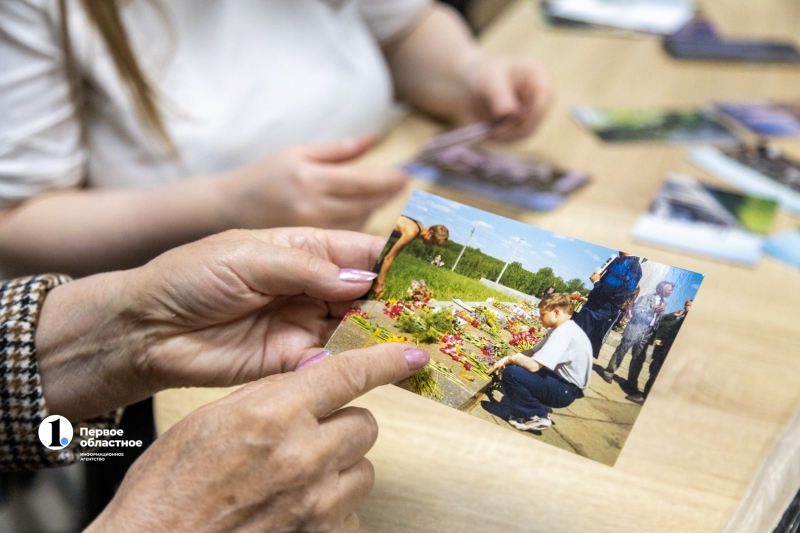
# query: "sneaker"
(608, 377)
(532, 424)
(635, 398)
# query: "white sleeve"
(40, 132)
(554, 350)
(386, 18)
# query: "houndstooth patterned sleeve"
(22, 406)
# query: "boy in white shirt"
(553, 374)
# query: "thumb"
(500, 96)
(340, 150)
(334, 382)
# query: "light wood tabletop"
(732, 379)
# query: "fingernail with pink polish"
(311, 360)
(355, 275)
(416, 358)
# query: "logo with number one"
(55, 432)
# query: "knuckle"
(369, 425)
(305, 175)
(353, 376)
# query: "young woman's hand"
(278, 455)
(513, 93)
(225, 310)
(500, 364)
(309, 185)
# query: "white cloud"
(550, 244)
(593, 255)
(440, 207)
(563, 237)
(695, 286)
(549, 253)
(482, 224)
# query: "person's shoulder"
(577, 335)
(572, 329)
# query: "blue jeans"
(529, 392)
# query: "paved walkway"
(595, 426)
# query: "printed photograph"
(770, 161)
(764, 170)
(456, 159)
(555, 338)
(638, 125)
(766, 118)
(785, 247)
(690, 215)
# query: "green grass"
(444, 283)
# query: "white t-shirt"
(240, 79)
(568, 353)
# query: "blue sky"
(498, 236)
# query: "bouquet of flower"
(524, 340)
(419, 292)
(355, 311)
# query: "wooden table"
(731, 381)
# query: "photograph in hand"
(555, 338)
(462, 160)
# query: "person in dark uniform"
(612, 288)
(406, 230)
(663, 339)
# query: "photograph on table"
(555, 338)
(690, 215)
(785, 247)
(460, 159)
(778, 119)
(655, 125)
(764, 170)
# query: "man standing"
(612, 287)
(647, 312)
(664, 337)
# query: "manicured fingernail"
(355, 275)
(416, 358)
(311, 360)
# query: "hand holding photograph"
(527, 329)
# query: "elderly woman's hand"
(278, 455)
(224, 310)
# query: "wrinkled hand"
(514, 93)
(228, 309)
(242, 305)
(307, 186)
(278, 455)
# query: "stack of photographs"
(655, 125)
(556, 339)
(761, 171)
(776, 119)
(693, 216)
(457, 160)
